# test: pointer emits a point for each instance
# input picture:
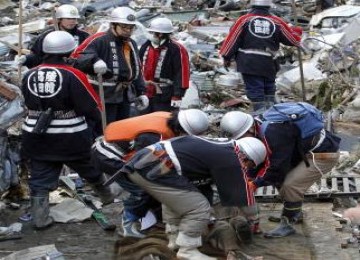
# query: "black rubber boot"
(284, 229)
(40, 212)
(105, 193)
(132, 229)
(291, 214)
(298, 219)
(269, 101)
(258, 107)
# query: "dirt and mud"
(316, 237)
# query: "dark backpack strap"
(300, 147)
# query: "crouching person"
(301, 151)
(167, 169)
(61, 103)
(120, 141)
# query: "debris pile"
(329, 56)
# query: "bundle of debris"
(11, 110)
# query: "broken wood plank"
(334, 186)
(357, 184)
(16, 48)
(346, 185)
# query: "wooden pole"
(20, 38)
(55, 21)
(301, 68)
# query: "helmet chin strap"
(113, 29)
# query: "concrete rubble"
(330, 53)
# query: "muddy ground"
(316, 238)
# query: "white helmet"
(161, 25)
(236, 123)
(67, 11)
(193, 121)
(123, 15)
(254, 149)
(58, 42)
(261, 2)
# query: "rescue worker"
(167, 169)
(61, 103)
(253, 42)
(285, 168)
(165, 64)
(114, 55)
(117, 146)
(67, 20)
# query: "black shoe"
(282, 230)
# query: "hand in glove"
(175, 102)
(142, 102)
(100, 67)
(20, 60)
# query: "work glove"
(175, 102)
(100, 67)
(142, 102)
(20, 60)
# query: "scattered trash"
(70, 211)
(48, 252)
(11, 232)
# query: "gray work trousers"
(189, 210)
(300, 179)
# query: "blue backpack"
(306, 117)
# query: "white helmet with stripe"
(124, 15)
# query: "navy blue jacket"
(181, 161)
(74, 104)
(254, 40)
(36, 56)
